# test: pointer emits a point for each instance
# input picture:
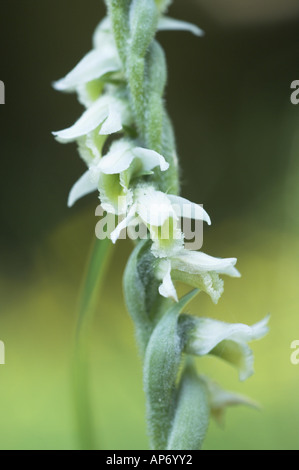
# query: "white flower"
(161, 214)
(112, 174)
(95, 64)
(225, 340)
(101, 60)
(110, 112)
(195, 269)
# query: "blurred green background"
(238, 141)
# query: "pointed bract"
(171, 24)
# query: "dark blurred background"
(228, 95)
(238, 141)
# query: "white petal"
(166, 289)
(101, 32)
(82, 187)
(90, 119)
(113, 122)
(228, 341)
(154, 207)
(150, 159)
(169, 24)
(189, 209)
(196, 262)
(260, 329)
(118, 159)
(123, 224)
(94, 65)
(121, 155)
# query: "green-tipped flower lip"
(196, 262)
(194, 266)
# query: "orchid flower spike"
(126, 139)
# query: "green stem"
(95, 272)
